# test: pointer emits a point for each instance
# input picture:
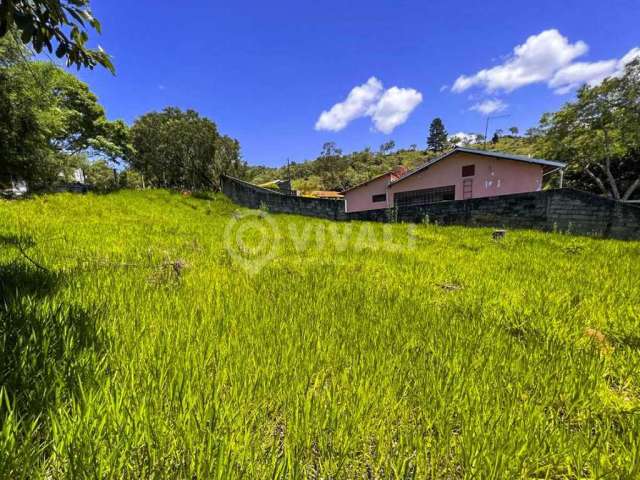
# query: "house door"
(467, 188)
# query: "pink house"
(372, 194)
(459, 174)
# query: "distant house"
(459, 174)
(75, 183)
(13, 188)
(78, 176)
(326, 194)
(371, 194)
(282, 186)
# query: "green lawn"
(142, 347)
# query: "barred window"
(426, 196)
(379, 198)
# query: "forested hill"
(333, 170)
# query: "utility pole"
(289, 175)
(486, 126)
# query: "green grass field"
(135, 344)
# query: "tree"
(496, 136)
(330, 149)
(387, 147)
(59, 23)
(22, 146)
(11, 51)
(308, 184)
(438, 138)
(534, 132)
(47, 115)
(130, 179)
(331, 167)
(599, 135)
(514, 131)
(181, 149)
(228, 159)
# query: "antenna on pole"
(486, 126)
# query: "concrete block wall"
(564, 210)
(252, 196)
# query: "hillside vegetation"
(135, 344)
(333, 170)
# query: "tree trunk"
(607, 164)
(611, 179)
(631, 189)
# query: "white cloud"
(488, 107)
(577, 74)
(464, 138)
(357, 104)
(534, 61)
(545, 58)
(394, 108)
(387, 108)
(628, 58)
(444, 88)
(590, 73)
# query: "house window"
(467, 189)
(468, 170)
(426, 196)
(379, 198)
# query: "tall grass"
(139, 348)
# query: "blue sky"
(266, 71)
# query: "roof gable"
(392, 174)
(484, 153)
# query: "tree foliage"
(387, 147)
(181, 149)
(331, 166)
(438, 140)
(55, 24)
(46, 116)
(599, 135)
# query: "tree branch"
(23, 252)
(598, 181)
(631, 189)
